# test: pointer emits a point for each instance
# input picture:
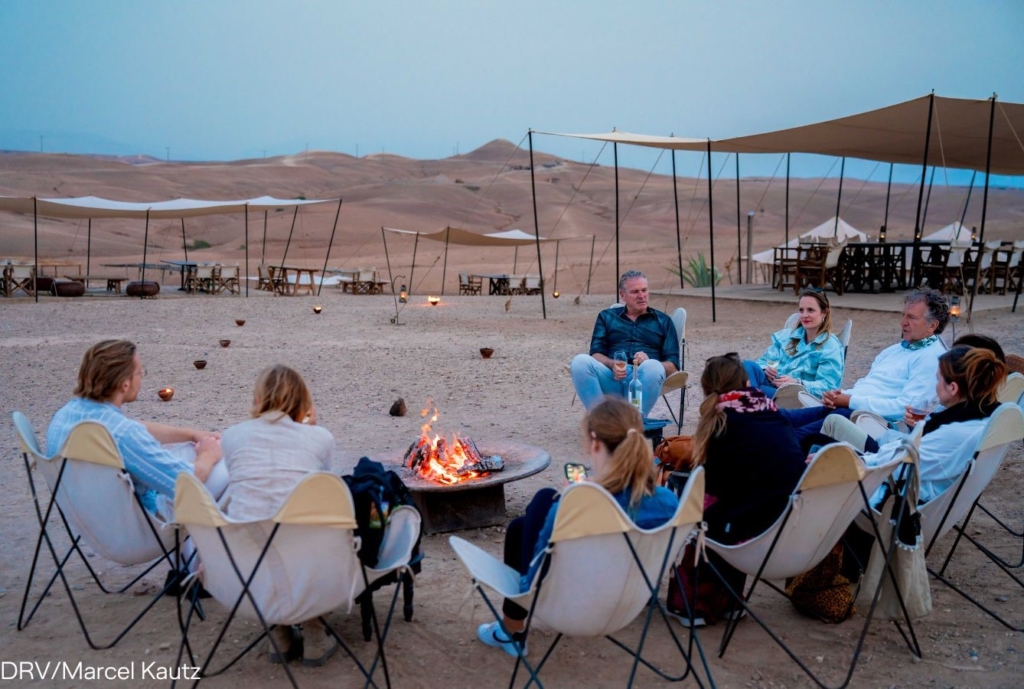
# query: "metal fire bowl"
(476, 502)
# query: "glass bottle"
(636, 392)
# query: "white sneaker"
(493, 635)
(684, 619)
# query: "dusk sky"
(222, 80)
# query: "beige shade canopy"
(96, 207)
(453, 235)
(893, 134)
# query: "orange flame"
(443, 461)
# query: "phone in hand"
(576, 473)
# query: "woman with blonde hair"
(266, 457)
(613, 439)
(752, 462)
(808, 355)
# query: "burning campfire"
(447, 461)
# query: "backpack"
(375, 492)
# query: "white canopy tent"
(840, 230)
(953, 232)
(90, 207)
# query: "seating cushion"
(145, 288)
(62, 288)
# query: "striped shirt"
(153, 468)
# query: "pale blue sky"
(221, 79)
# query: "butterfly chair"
(942, 514)
(97, 504)
(795, 396)
(299, 565)
(833, 490)
(599, 572)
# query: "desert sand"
(358, 363)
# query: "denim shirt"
(818, 365)
(654, 510)
(652, 333)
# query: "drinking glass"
(619, 363)
(921, 406)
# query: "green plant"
(697, 272)
(200, 244)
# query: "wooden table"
(113, 281)
(498, 283)
(875, 266)
(162, 267)
(284, 286)
(58, 264)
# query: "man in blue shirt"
(646, 336)
(111, 376)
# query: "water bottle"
(636, 392)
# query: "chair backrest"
(531, 281)
(792, 321)
(228, 272)
(1012, 389)
(27, 437)
(824, 503)
(20, 271)
(463, 278)
(204, 272)
(844, 336)
(593, 585)
(366, 276)
(97, 496)
(679, 321)
(871, 424)
(941, 513)
(309, 568)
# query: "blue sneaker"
(493, 635)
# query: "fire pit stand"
(476, 502)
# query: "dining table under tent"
(90, 207)
(835, 230)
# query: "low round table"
(476, 502)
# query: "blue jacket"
(654, 510)
(818, 365)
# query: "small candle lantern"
(403, 295)
(434, 301)
(974, 234)
(881, 234)
(556, 294)
(165, 394)
(317, 309)
(954, 312)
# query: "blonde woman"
(613, 439)
(266, 457)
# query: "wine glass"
(921, 406)
(619, 363)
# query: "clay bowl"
(317, 309)
(239, 322)
(165, 394)
(486, 352)
(224, 343)
(199, 363)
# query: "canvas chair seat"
(602, 570)
(301, 564)
(97, 503)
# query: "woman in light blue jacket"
(808, 355)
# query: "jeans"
(757, 378)
(807, 422)
(521, 542)
(593, 380)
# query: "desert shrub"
(697, 272)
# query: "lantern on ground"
(434, 301)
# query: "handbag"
(675, 453)
(908, 561)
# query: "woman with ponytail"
(752, 461)
(613, 439)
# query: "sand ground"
(357, 363)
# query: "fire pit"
(457, 484)
(474, 502)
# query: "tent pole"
(839, 196)
(444, 268)
(963, 214)
(888, 192)
(145, 247)
(615, 151)
(391, 279)
(927, 200)
(739, 240)
(679, 241)
(412, 268)
(515, 259)
(915, 263)
(88, 249)
(536, 227)
(289, 242)
(984, 210)
(711, 235)
(590, 271)
(184, 242)
(331, 243)
(263, 257)
(35, 239)
(246, 249)
(788, 156)
(558, 243)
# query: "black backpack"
(375, 492)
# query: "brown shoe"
(289, 646)
(317, 644)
